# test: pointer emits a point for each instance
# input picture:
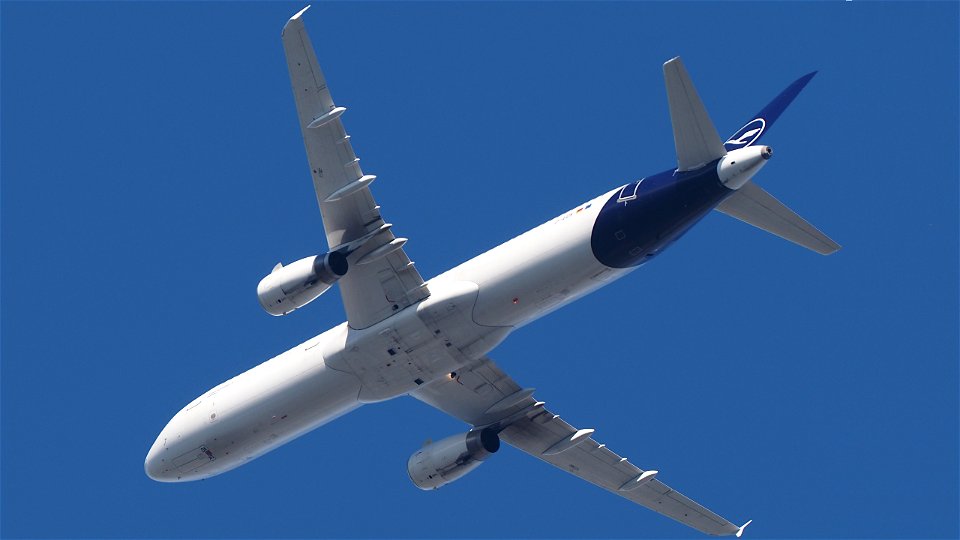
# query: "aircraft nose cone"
(154, 464)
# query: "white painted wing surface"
(483, 395)
(381, 280)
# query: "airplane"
(430, 339)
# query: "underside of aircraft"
(430, 339)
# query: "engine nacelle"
(297, 284)
(439, 463)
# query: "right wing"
(381, 279)
(483, 395)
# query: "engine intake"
(439, 463)
(297, 284)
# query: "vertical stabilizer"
(760, 124)
(695, 137)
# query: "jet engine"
(297, 284)
(439, 463)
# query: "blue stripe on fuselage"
(640, 221)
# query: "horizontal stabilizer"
(695, 137)
(751, 204)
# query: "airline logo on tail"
(746, 135)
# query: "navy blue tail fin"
(753, 130)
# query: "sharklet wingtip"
(299, 13)
(294, 21)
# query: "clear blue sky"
(153, 172)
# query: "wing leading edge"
(381, 280)
(483, 395)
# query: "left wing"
(381, 279)
(483, 395)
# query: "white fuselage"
(471, 309)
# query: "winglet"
(742, 527)
(295, 19)
(299, 13)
